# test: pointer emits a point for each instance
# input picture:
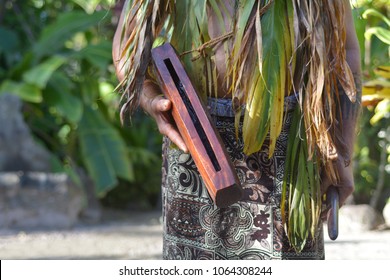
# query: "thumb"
(161, 104)
(164, 105)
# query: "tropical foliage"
(56, 56)
(293, 40)
(372, 160)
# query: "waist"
(223, 106)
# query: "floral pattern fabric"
(194, 228)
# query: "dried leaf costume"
(286, 72)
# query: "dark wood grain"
(194, 125)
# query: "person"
(253, 228)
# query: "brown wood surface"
(223, 185)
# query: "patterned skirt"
(194, 228)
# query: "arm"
(151, 99)
(350, 111)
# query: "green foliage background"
(372, 149)
(56, 56)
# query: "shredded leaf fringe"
(279, 48)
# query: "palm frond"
(279, 48)
(301, 195)
(321, 33)
(144, 20)
(260, 78)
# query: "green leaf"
(9, 41)
(40, 74)
(264, 111)
(290, 158)
(276, 55)
(104, 151)
(21, 66)
(360, 27)
(88, 6)
(381, 110)
(56, 34)
(98, 55)
(89, 90)
(25, 91)
(375, 13)
(256, 117)
(380, 32)
(301, 182)
(59, 95)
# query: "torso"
(215, 31)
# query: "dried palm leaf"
(144, 19)
(275, 42)
(260, 79)
(321, 27)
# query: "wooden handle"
(194, 125)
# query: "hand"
(345, 184)
(160, 111)
(159, 108)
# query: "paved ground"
(138, 236)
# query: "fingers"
(345, 182)
(344, 192)
(173, 134)
(160, 107)
(345, 189)
(160, 104)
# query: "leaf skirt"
(194, 228)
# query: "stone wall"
(38, 199)
(30, 194)
(18, 150)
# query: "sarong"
(194, 228)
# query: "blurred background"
(66, 161)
